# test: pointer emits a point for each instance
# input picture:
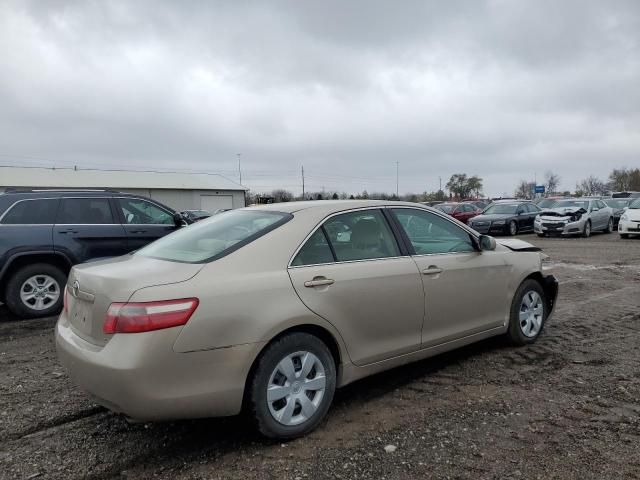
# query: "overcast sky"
(502, 89)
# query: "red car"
(460, 211)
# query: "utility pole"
(397, 170)
(303, 197)
(440, 189)
(239, 169)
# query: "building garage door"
(211, 203)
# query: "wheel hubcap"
(531, 313)
(39, 292)
(513, 228)
(296, 388)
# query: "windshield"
(501, 208)
(573, 204)
(619, 204)
(446, 208)
(635, 204)
(212, 238)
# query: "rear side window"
(315, 251)
(85, 211)
(32, 212)
(214, 237)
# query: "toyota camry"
(269, 309)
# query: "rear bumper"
(141, 376)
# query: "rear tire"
(36, 291)
(528, 313)
(299, 401)
(541, 235)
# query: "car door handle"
(432, 270)
(67, 230)
(138, 231)
(318, 282)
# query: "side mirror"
(487, 242)
(179, 220)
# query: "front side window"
(214, 237)
(32, 212)
(85, 211)
(431, 234)
(141, 212)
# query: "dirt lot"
(566, 407)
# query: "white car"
(630, 220)
(574, 216)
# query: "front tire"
(586, 232)
(528, 313)
(624, 235)
(513, 228)
(36, 291)
(292, 386)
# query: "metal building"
(180, 191)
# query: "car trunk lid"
(92, 287)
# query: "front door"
(351, 273)
(86, 229)
(465, 289)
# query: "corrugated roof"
(37, 177)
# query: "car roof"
(51, 193)
(337, 205)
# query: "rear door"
(86, 229)
(143, 221)
(352, 273)
(465, 290)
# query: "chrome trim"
(340, 262)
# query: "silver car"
(576, 216)
(273, 307)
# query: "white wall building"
(180, 191)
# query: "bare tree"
(551, 182)
(281, 195)
(625, 179)
(524, 189)
(591, 186)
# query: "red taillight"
(139, 317)
(65, 301)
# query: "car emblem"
(76, 288)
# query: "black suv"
(43, 233)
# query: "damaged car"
(575, 217)
(269, 309)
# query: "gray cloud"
(501, 89)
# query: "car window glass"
(316, 250)
(32, 212)
(468, 208)
(141, 212)
(214, 237)
(361, 235)
(429, 233)
(92, 211)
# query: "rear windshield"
(446, 208)
(617, 203)
(635, 204)
(572, 203)
(214, 237)
(501, 208)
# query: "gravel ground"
(567, 407)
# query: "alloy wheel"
(296, 388)
(39, 292)
(531, 313)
